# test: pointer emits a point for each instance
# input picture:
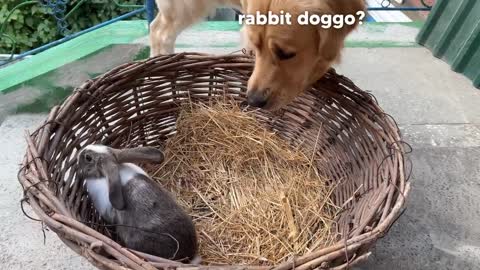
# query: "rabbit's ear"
(115, 191)
(140, 154)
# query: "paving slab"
(413, 86)
(439, 229)
(22, 242)
(437, 111)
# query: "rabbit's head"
(99, 161)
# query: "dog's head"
(290, 58)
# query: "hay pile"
(254, 199)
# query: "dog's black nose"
(256, 99)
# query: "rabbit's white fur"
(102, 149)
(98, 187)
(98, 190)
(128, 171)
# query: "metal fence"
(58, 9)
(228, 14)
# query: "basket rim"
(34, 179)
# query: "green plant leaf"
(32, 26)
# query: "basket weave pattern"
(138, 103)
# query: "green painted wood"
(123, 32)
(452, 33)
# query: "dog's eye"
(284, 55)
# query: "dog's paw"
(248, 52)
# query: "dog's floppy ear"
(331, 43)
(140, 154)
(331, 40)
(115, 190)
(244, 4)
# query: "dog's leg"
(162, 35)
(249, 49)
(173, 17)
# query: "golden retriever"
(289, 58)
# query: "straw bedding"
(254, 199)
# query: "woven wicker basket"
(137, 104)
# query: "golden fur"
(289, 58)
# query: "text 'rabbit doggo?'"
(145, 216)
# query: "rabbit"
(145, 216)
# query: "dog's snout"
(257, 99)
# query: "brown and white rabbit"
(146, 217)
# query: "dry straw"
(254, 199)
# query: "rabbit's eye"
(88, 158)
